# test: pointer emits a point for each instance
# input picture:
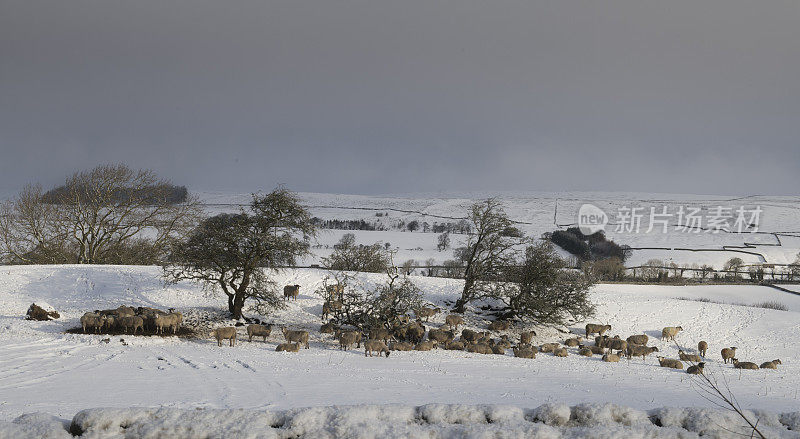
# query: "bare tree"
(238, 252)
(443, 242)
(92, 217)
(488, 251)
(349, 256)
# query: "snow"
(402, 421)
(44, 370)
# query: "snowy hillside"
(777, 239)
(42, 369)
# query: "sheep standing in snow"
(728, 353)
(670, 362)
(378, 346)
(296, 336)
(453, 321)
(440, 336)
(401, 346)
(291, 292)
(92, 320)
(348, 338)
(172, 321)
(592, 328)
(702, 348)
(330, 307)
(616, 344)
(258, 331)
(524, 337)
(128, 322)
(639, 351)
(640, 339)
(226, 333)
(426, 313)
(669, 332)
(380, 334)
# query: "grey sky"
(404, 96)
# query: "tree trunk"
(238, 304)
(230, 302)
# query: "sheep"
(560, 352)
(689, 357)
(611, 358)
(696, 369)
(744, 364)
(469, 335)
(670, 362)
(597, 350)
(334, 291)
(499, 350)
(499, 325)
(600, 340)
(291, 292)
(455, 346)
(524, 352)
(92, 320)
(526, 337)
(258, 331)
(371, 346)
(415, 332)
(503, 343)
(328, 328)
(426, 313)
(596, 329)
(380, 334)
(548, 347)
(348, 338)
(123, 310)
(226, 333)
(167, 320)
(573, 342)
(669, 332)
(480, 349)
(296, 336)
(585, 351)
(329, 307)
(771, 364)
(288, 347)
(639, 339)
(616, 345)
(639, 351)
(425, 346)
(110, 321)
(728, 353)
(134, 322)
(453, 320)
(702, 347)
(401, 346)
(440, 336)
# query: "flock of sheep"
(132, 319)
(406, 334)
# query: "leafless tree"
(93, 216)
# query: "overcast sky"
(406, 96)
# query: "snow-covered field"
(42, 369)
(777, 242)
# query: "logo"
(591, 219)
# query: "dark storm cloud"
(414, 95)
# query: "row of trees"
(113, 214)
